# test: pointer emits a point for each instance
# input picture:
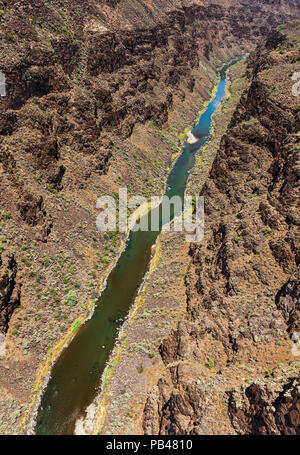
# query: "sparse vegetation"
(140, 369)
(46, 261)
(5, 215)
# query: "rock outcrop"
(9, 290)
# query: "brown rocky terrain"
(229, 366)
(90, 87)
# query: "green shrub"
(11, 38)
(210, 363)
(61, 13)
(296, 59)
(71, 299)
(237, 239)
(46, 261)
(2, 241)
(140, 369)
(266, 230)
(5, 215)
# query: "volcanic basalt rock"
(266, 408)
(10, 290)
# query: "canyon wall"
(232, 365)
(81, 79)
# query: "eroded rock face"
(243, 282)
(75, 72)
(10, 290)
(267, 408)
(288, 301)
(31, 209)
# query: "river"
(76, 376)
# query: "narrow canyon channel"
(76, 376)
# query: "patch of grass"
(210, 363)
(237, 239)
(38, 177)
(62, 13)
(140, 369)
(46, 261)
(266, 230)
(2, 247)
(296, 59)
(66, 31)
(75, 326)
(10, 38)
(5, 215)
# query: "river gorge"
(146, 333)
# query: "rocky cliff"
(85, 83)
(231, 365)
